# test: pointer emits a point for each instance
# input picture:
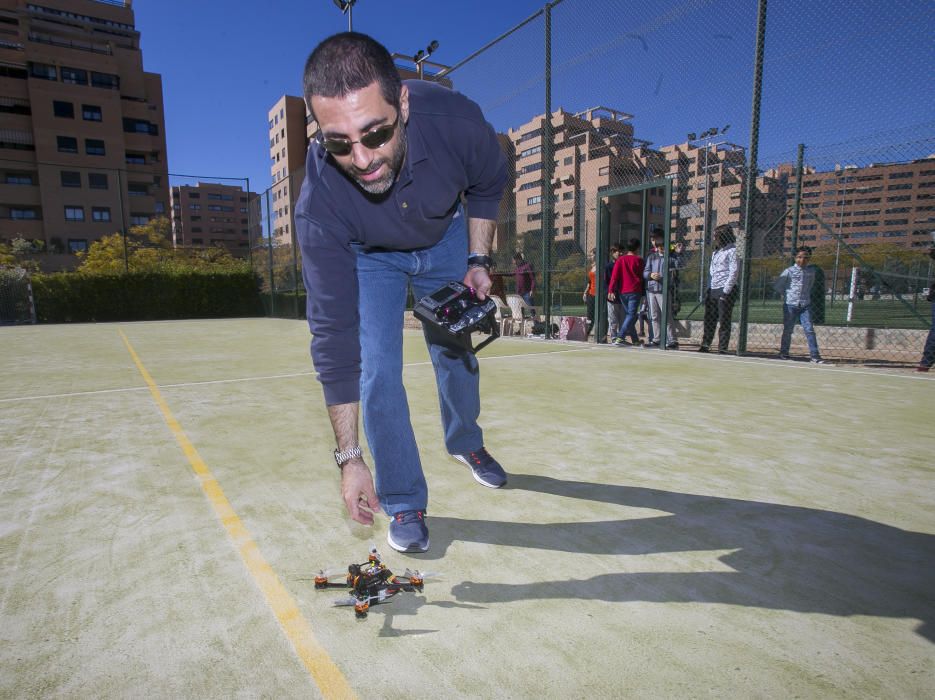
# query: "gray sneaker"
(819, 361)
(408, 532)
(486, 470)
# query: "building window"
(139, 126)
(23, 213)
(100, 213)
(74, 76)
(67, 144)
(159, 208)
(139, 219)
(74, 213)
(19, 179)
(77, 245)
(97, 181)
(91, 113)
(71, 179)
(194, 207)
(534, 200)
(136, 189)
(94, 147)
(194, 195)
(44, 71)
(135, 158)
(105, 80)
(65, 110)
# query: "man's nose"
(361, 155)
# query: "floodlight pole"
(347, 7)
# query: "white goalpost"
(16, 300)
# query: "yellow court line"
(326, 675)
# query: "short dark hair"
(347, 62)
(804, 249)
(615, 247)
(633, 245)
(724, 234)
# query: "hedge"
(69, 297)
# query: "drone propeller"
(415, 576)
(346, 600)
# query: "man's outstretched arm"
(356, 481)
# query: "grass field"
(676, 525)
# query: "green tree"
(148, 248)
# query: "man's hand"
(479, 279)
(357, 491)
(611, 296)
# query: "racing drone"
(371, 583)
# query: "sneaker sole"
(474, 474)
(410, 550)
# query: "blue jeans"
(928, 353)
(630, 304)
(384, 277)
(790, 316)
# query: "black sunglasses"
(375, 138)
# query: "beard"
(394, 162)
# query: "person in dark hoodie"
(382, 210)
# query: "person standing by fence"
(524, 277)
(928, 352)
(722, 290)
(626, 282)
(795, 284)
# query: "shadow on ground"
(784, 557)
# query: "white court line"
(246, 379)
(670, 355)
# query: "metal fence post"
(548, 170)
(751, 178)
(269, 243)
(798, 199)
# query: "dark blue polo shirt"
(452, 150)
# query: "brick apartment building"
(708, 189)
(211, 214)
(291, 127)
(593, 149)
(82, 136)
(879, 203)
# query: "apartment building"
(291, 127)
(82, 137)
(879, 203)
(211, 214)
(592, 150)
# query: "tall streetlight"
(421, 56)
(706, 137)
(347, 7)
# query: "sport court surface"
(676, 525)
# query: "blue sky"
(853, 80)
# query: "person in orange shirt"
(590, 289)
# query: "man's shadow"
(785, 558)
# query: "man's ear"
(404, 104)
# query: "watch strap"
(347, 455)
(478, 260)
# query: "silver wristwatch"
(343, 458)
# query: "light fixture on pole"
(421, 56)
(347, 8)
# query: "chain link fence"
(835, 96)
